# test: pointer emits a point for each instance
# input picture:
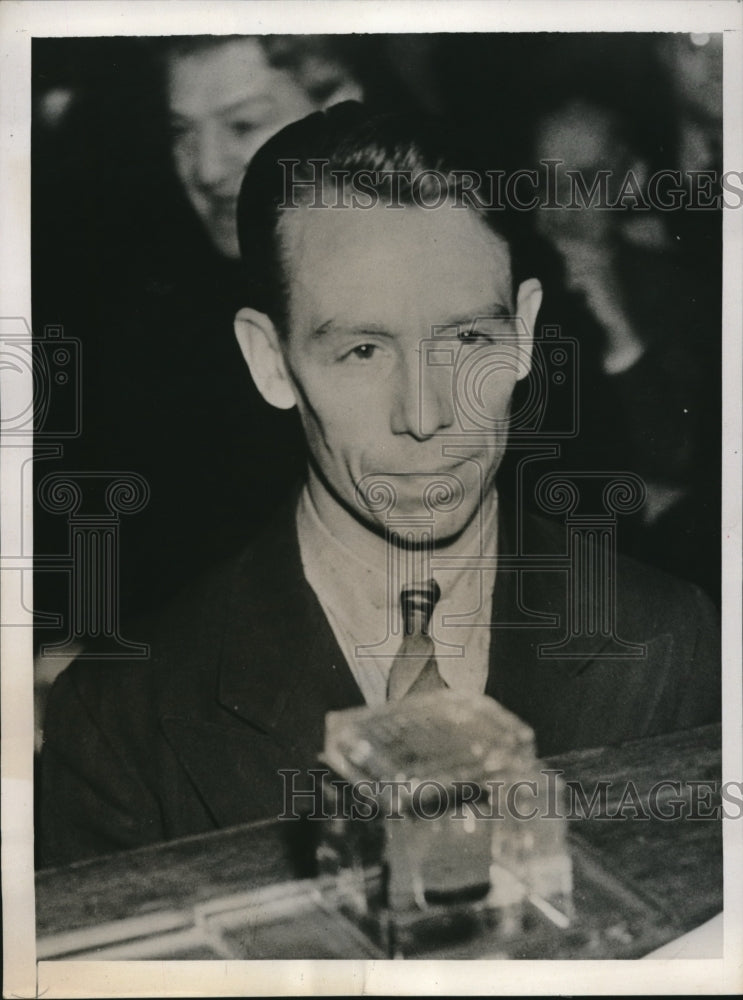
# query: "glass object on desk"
(442, 827)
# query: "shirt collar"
(348, 563)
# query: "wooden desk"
(248, 892)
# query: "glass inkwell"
(442, 827)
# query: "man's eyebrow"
(495, 310)
(338, 326)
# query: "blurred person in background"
(226, 96)
(639, 290)
(649, 359)
(135, 253)
(693, 64)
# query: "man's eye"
(492, 332)
(364, 351)
(468, 334)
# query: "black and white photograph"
(371, 535)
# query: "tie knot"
(417, 606)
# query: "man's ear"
(259, 343)
(528, 301)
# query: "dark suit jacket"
(245, 666)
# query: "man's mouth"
(432, 473)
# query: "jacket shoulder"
(646, 598)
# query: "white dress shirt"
(349, 567)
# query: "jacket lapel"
(279, 671)
(529, 611)
(281, 667)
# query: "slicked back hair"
(346, 140)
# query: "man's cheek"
(497, 395)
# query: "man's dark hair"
(342, 142)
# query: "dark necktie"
(414, 669)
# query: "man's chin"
(420, 527)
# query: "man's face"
(224, 102)
(387, 308)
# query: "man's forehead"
(384, 259)
(450, 231)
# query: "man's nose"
(424, 404)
